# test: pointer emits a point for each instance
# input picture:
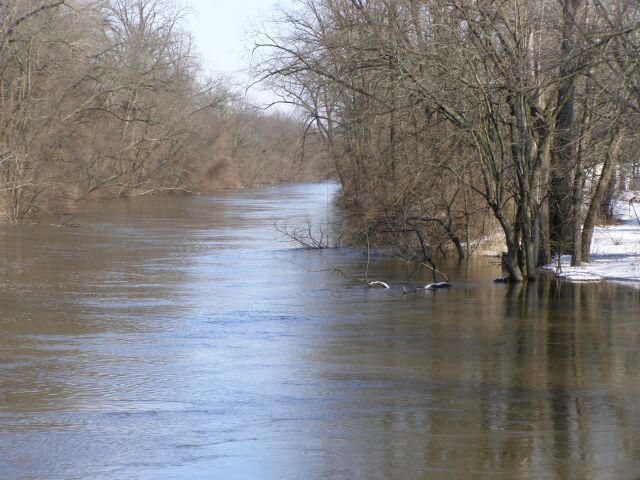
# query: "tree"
(498, 86)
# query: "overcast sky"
(222, 31)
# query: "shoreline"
(615, 249)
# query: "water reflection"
(179, 338)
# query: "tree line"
(107, 98)
(443, 116)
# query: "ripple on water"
(181, 338)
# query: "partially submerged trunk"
(511, 259)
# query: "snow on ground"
(615, 251)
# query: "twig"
(305, 237)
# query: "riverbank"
(615, 248)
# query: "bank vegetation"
(447, 119)
(107, 98)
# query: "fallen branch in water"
(435, 271)
(436, 285)
(151, 191)
(378, 284)
(304, 236)
(375, 283)
(69, 223)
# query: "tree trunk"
(606, 209)
(561, 198)
(598, 196)
(511, 262)
(544, 249)
(579, 180)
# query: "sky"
(222, 32)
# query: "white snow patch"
(615, 250)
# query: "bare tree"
(479, 98)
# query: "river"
(181, 338)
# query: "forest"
(446, 122)
(107, 98)
(449, 120)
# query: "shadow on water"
(180, 338)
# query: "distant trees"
(30, 107)
(107, 98)
(437, 110)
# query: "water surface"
(178, 338)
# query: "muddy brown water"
(178, 338)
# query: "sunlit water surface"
(179, 338)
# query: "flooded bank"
(179, 338)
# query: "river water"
(180, 338)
